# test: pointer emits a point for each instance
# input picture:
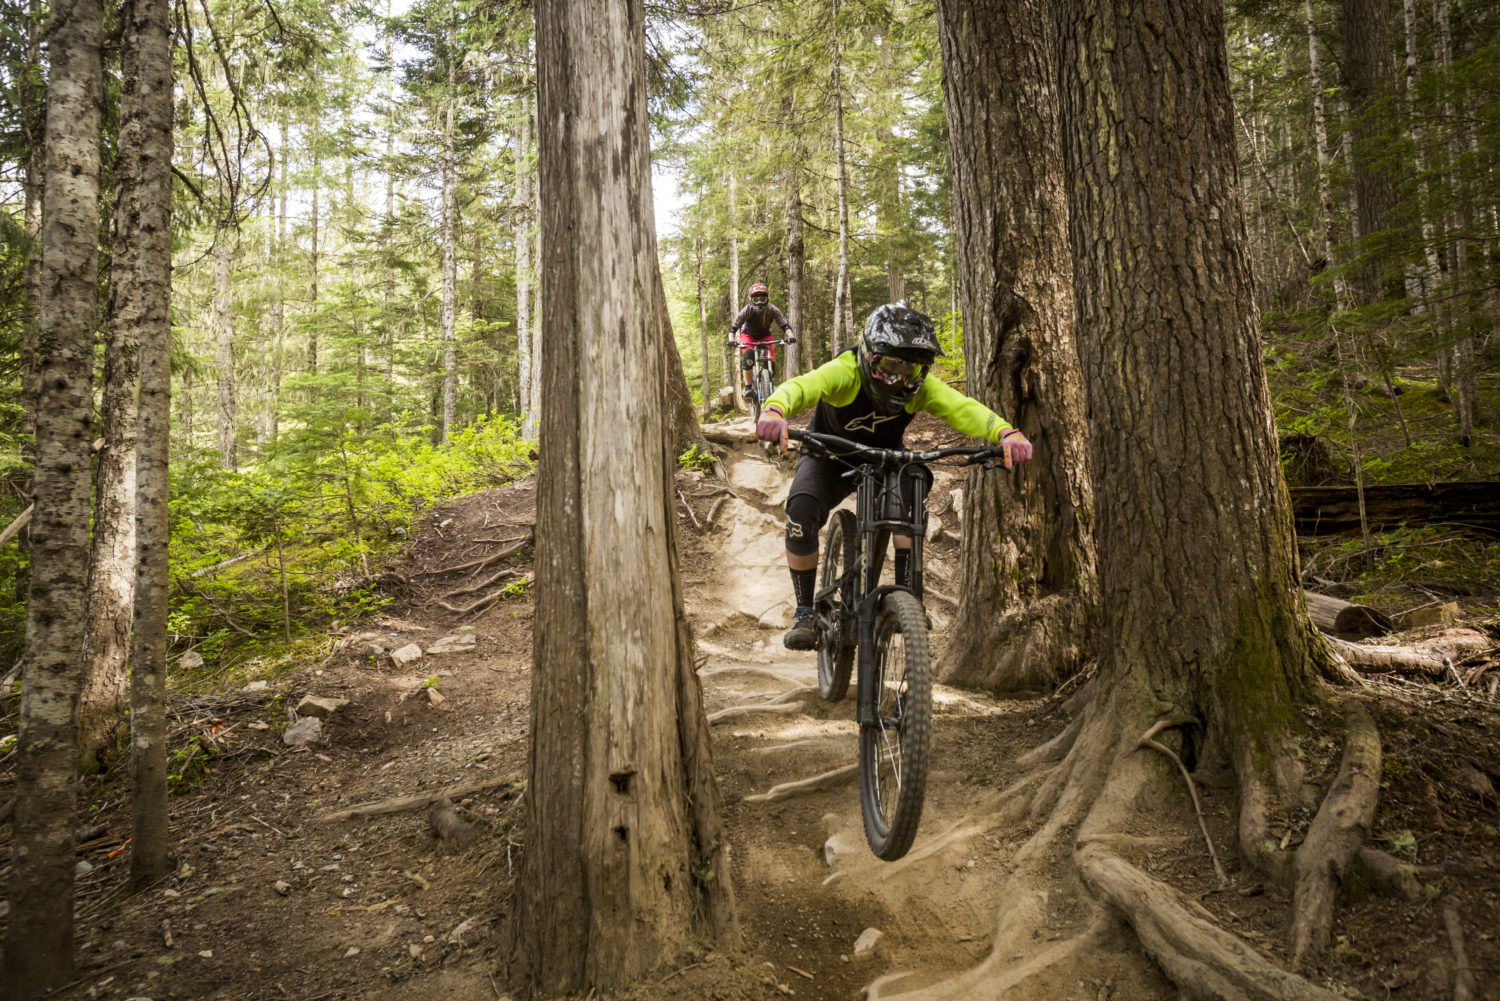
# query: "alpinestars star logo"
(869, 422)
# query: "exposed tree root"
(760, 672)
(802, 787)
(482, 603)
(996, 976)
(1338, 830)
(401, 803)
(778, 748)
(1202, 959)
(1389, 875)
(474, 566)
(715, 718)
(1053, 750)
(1463, 976)
(448, 825)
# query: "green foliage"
(317, 520)
(696, 458)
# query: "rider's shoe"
(804, 632)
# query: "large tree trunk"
(1029, 582)
(224, 254)
(523, 268)
(624, 866)
(149, 849)
(39, 931)
(1367, 78)
(450, 247)
(1198, 529)
(111, 593)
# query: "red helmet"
(758, 295)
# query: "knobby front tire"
(893, 749)
(836, 654)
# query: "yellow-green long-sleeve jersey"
(846, 409)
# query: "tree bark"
(224, 253)
(702, 319)
(312, 290)
(450, 242)
(1327, 215)
(150, 844)
(624, 866)
(1027, 613)
(843, 310)
(534, 418)
(1465, 387)
(278, 301)
(111, 591)
(523, 269)
(1367, 78)
(39, 931)
(796, 250)
(1198, 528)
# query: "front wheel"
(893, 749)
(836, 652)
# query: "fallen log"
(1345, 619)
(1335, 510)
(14, 528)
(401, 803)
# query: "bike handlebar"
(829, 442)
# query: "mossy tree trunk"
(1029, 586)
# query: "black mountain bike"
(762, 385)
(885, 624)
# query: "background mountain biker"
(869, 394)
(757, 322)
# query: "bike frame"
(881, 509)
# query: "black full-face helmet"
(896, 350)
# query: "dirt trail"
(271, 902)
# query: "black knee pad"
(805, 515)
(747, 360)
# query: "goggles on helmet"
(759, 299)
(898, 373)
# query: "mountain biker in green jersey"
(869, 394)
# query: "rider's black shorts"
(818, 487)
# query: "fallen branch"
(802, 787)
(1389, 659)
(403, 803)
(1390, 875)
(14, 528)
(205, 571)
(713, 510)
(1336, 833)
(1203, 960)
(447, 825)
